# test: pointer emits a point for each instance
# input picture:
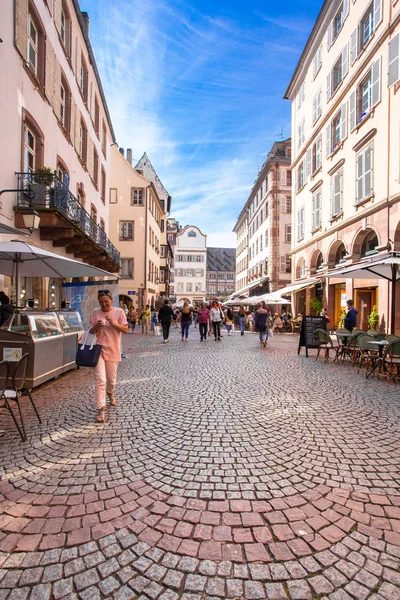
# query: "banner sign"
(82, 296)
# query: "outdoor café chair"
(375, 334)
(356, 330)
(391, 360)
(18, 389)
(353, 349)
(325, 342)
(4, 375)
(368, 353)
(342, 335)
(392, 338)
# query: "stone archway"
(336, 253)
(301, 268)
(365, 242)
(316, 262)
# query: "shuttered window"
(364, 174)
(394, 60)
(337, 193)
(316, 209)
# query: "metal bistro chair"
(325, 342)
(368, 352)
(376, 335)
(18, 388)
(4, 375)
(391, 360)
(390, 337)
(342, 335)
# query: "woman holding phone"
(107, 323)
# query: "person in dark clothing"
(6, 310)
(261, 318)
(165, 316)
(350, 320)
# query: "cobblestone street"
(225, 471)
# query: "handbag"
(157, 329)
(88, 355)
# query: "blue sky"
(198, 85)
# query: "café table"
(381, 345)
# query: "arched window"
(32, 144)
(369, 243)
(340, 254)
(301, 268)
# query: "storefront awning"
(296, 287)
(249, 287)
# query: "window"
(63, 96)
(301, 134)
(30, 150)
(316, 210)
(96, 115)
(338, 73)
(369, 244)
(102, 224)
(261, 243)
(65, 28)
(394, 60)
(300, 223)
(83, 141)
(317, 61)
(103, 186)
(288, 177)
(337, 22)
(93, 213)
(301, 95)
(33, 46)
(266, 238)
(189, 287)
(366, 95)
(282, 263)
(285, 206)
(336, 131)
(364, 174)
(137, 197)
(104, 139)
(367, 26)
(316, 155)
(288, 234)
(95, 167)
(316, 111)
(362, 34)
(301, 176)
(179, 287)
(61, 170)
(83, 78)
(126, 230)
(337, 193)
(302, 268)
(126, 268)
(113, 196)
(257, 246)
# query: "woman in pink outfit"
(107, 323)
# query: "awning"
(249, 287)
(296, 287)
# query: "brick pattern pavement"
(225, 471)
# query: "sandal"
(100, 416)
(113, 401)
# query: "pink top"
(108, 336)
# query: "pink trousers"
(105, 376)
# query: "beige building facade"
(54, 117)
(190, 264)
(137, 229)
(264, 228)
(346, 154)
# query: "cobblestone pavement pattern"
(225, 471)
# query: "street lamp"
(30, 218)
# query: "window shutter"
(343, 121)
(359, 171)
(282, 266)
(283, 176)
(353, 110)
(394, 60)
(345, 60)
(376, 81)
(283, 204)
(308, 162)
(314, 220)
(368, 172)
(354, 46)
(314, 109)
(330, 34)
(329, 86)
(328, 140)
(302, 222)
(345, 8)
(377, 13)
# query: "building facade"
(264, 228)
(190, 263)
(56, 133)
(137, 224)
(346, 154)
(220, 272)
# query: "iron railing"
(48, 192)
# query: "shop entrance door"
(364, 300)
(340, 302)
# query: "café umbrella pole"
(393, 307)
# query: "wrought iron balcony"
(48, 194)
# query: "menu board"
(308, 336)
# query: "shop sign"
(12, 354)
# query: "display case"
(50, 339)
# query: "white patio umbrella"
(20, 259)
(7, 229)
(384, 267)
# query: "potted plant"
(42, 180)
(373, 319)
(342, 317)
(316, 305)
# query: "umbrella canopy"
(18, 258)
(7, 229)
(384, 267)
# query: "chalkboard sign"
(308, 336)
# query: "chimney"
(122, 151)
(129, 155)
(86, 20)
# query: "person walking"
(261, 324)
(216, 317)
(229, 320)
(107, 323)
(350, 320)
(203, 318)
(165, 317)
(132, 316)
(185, 317)
(154, 321)
(242, 319)
(144, 318)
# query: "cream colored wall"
(194, 246)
